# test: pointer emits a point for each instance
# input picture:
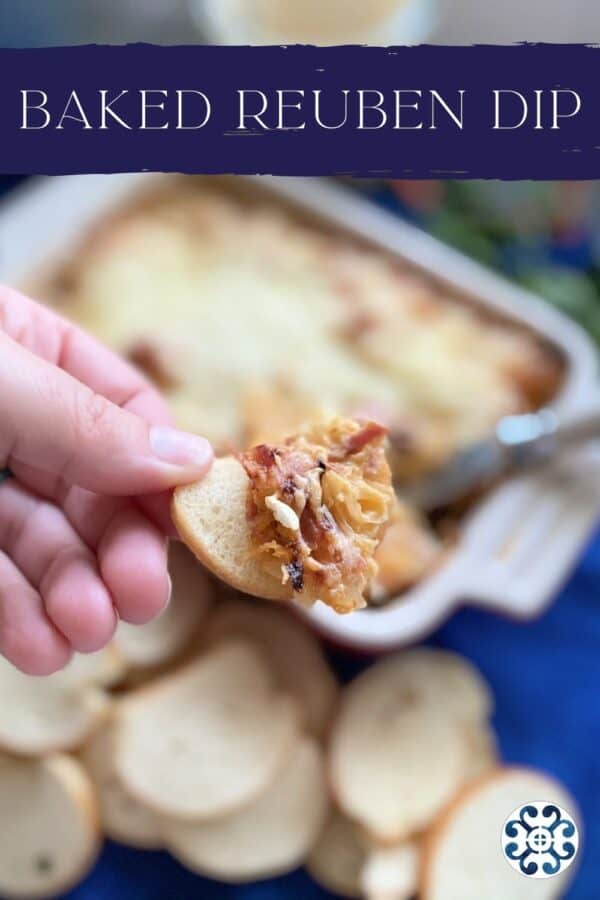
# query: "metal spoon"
(518, 443)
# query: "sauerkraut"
(318, 506)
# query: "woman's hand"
(84, 520)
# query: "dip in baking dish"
(253, 322)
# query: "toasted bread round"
(43, 715)
(270, 836)
(338, 856)
(103, 669)
(205, 741)
(482, 749)
(210, 517)
(391, 873)
(386, 767)
(49, 826)
(124, 819)
(291, 649)
(443, 678)
(463, 859)
(161, 640)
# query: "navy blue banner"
(527, 111)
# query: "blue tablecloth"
(546, 679)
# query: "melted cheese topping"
(241, 299)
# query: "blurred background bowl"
(31, 23)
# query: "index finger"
(63, 344)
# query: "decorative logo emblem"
(540, 839)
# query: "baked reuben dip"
(318, 506)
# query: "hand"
(84, 520)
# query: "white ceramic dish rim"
(551, 513)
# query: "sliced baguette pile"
(196, 734)
(418, 794)
(221, 735)
(386, 766)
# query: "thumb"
(53, 422)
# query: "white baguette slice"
(399, 747)
(43, 715)
(338, 857)
(448, 682)
(210, 517)
(482, 750)
(391, 873)
(206, 740)
(291, 649)
(162, 640)
(104, 669)
(124, 819)
(463, 857)
(50, 834)
(267, 838)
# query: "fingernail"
(180, 448)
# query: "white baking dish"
(521, 541)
